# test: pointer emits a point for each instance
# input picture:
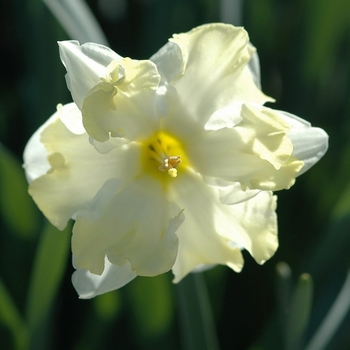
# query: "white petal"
(309, 143)
(254, 66)
(226, 117)
(77, 172)
(256, 152)
(216, 71)
(258, 221)
(85, 65)
(199, 241)
(71, 117)
(214, 233)
(293, 120)
(113, 277)
(132, 223)
(169, 61)
(170, 64)
(309, 146)
(230, 192)
(35, 153)
(125, 110)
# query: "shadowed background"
(304, 50)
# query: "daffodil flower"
(168, 163)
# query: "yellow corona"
(163, 154)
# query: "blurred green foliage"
(304, 49)
(17, 208)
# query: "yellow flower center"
(163, 153)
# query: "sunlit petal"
(222, 70)
(77, 171)
(225, 229)
(85, 65)
(132, 223)
(89, 285)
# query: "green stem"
(196, 319)
(333, 319)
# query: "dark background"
(304, 49)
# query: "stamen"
(170, 164)
(164, 153)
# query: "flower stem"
(197, 326)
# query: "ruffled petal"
(257, 225)
(132, 223)
(123, 104)
(226, 117)
(256, 152)
(113, 277)
(85, 65)
(214, 233)
(200, 241)
(215, 77)
(70, 116)
(35, 154)
(230, 192)
(77, 172)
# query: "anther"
(170, 164)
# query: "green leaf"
(77, 20)
(49, 265)
(333, 319)
(107, 305)
(284, 292)
(11, 318)
(151, 303)
(17, 207)
(326, 29)
(299, 313)
(196, 319)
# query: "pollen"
(164, 153)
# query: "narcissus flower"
(167, 163)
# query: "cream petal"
(107, 146)
(35, 154)
(258, 220)
(132, 222)
(230, 192)
(123, 107)
(200, 243)
(214, 233)
(85, 65)
(132, 119)
(309, 143)
(77, 172)
(226, 117)
(113, 277)
(216, 77)
(259, 126)
(71, 117)
(256, 152)
(270, 141)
